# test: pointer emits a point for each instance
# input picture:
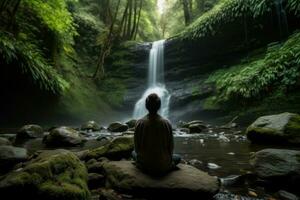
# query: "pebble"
(213, 166)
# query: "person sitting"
(153, 141)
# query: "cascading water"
(281, 18)
(155, 82)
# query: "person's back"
(153, 140)
(154, 144)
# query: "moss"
(53, 175)
(119, 148)
(292, 129)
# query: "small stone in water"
(252, 194)
(213, 166)
(231, 153)
(201, 141)
(223, 138)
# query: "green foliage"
(278, 70)
(31, 61)
(227, 11)
(55, 15)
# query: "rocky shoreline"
(107, 171)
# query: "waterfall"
(281, 18)
(155, 82)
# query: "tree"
(125, 28)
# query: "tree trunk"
(129, 20)
(135, 11)
(123, 21)
(138, 21)
(186, 10)
(105, 50)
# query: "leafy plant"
(278, 70)
(32, 63)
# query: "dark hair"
(153, 103)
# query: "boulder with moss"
(4, 141)
(283, 128)
(91, 125)
(281, 167)
(117, 127)
(131, 123)
(30, 131)
(64, 136)
(10, 155)
(118, 148)
(51, 175)
(185, 182)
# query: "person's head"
(153, 103)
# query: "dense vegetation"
(76, 51)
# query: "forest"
(75, 76)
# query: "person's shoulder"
(140, 121)
(165, 120)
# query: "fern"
(32, 63)
(279, 69)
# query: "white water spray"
(155, 82)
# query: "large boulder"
(4, 141)
(52, 175)
(117, 127)
(186, 182)
(281, 128)
(63, 136)
(9, 156)
(91, 125)
(30, 131)
(131, 123)
(118, 148)
(280, 166)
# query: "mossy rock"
(91, 125)
(10, 156)
(64, 136)
(131, 123)
(30, 131)
(117, 127)
(283, 128)
(120, 147)
(4, 141)
(53, 175)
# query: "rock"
(284, 195)
(187, 182)
(95, 180)
(184, 130)
(4, 141)
(131, 123)
(281, 128)
(109, 194)
(196, 128)
(118, 148)
(213, 166)
(95, 166)
(196, 163)
(182, 124)
(272, 163)
(63, 136)
(9, 156)
(91, 125)
(280, 167)
(117, 127)
(57, 174)
(232, 180)
(30, 131)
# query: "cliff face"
(190, 62)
